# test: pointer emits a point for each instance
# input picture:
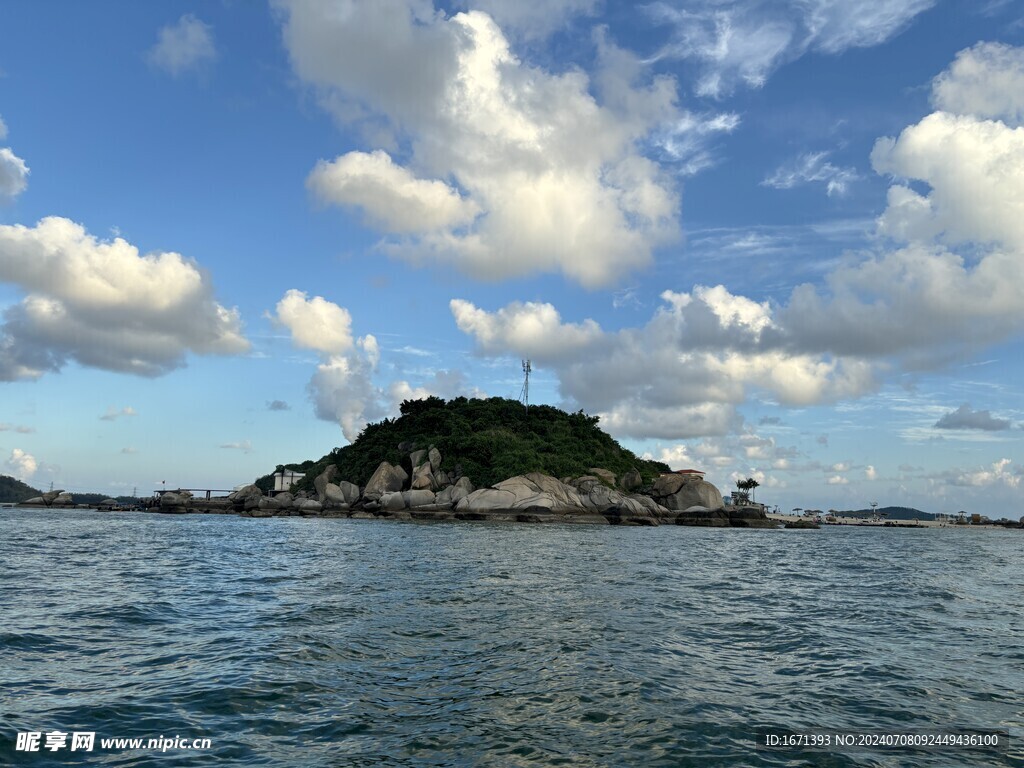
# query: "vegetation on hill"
(486, 440)
(12, 489)
(893, 513)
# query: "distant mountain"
(15, 490)
(893, 513)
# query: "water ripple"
(335, 642)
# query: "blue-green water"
(339, 642)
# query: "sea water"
(337, 642)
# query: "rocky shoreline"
(423, 492)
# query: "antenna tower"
(525, 395)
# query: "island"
(474, 459)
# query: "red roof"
(689, 472)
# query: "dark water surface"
(337, 642)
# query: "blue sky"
(770, 239)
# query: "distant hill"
(893, 513)
(15, 490)
(487, 440)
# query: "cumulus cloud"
(13, 175)
(744, 41)
(966, 418)
(947, 280)
(998, 473)
(278, 405)
(184, 46)
(315, 323)
(103, 305)
(679, 376)
(344, 388)
(21, 465)
(986, 81)
(530, 326)
(510, 169)
(870, 473)
(113, 413)
(733, 457)
(837, 480)
(392, 197)
(533, 19)
(812, 167)
(942, 282)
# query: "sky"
(781, 240)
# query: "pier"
(195, 491)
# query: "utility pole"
(525, 397)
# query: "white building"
(285, 479)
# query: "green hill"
(893, 513)
(486, 440)
(15, 490)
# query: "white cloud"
(186, 45)
(21, 465)
(103, 305)
(315, 323)
(113, 413)
(998, 473)
(245, 446)
(950, 284)
(343, 389)
(986, 81)
(557, 178)
(812, 167)
(533, 330)
(837, 480)
(870, 473)
(975, 172)
(392, 197)
(687, 142)
(679, 376)
(13, 175)
(3, 129)
(744, 41)
(533, 19)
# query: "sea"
(228, 641)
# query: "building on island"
(285, 479)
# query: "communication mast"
(524, 397)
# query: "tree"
(747, 485)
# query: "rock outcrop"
(545, 497)
(386, 479)
(324, 479)
(681, 492)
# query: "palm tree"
(747, 485)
